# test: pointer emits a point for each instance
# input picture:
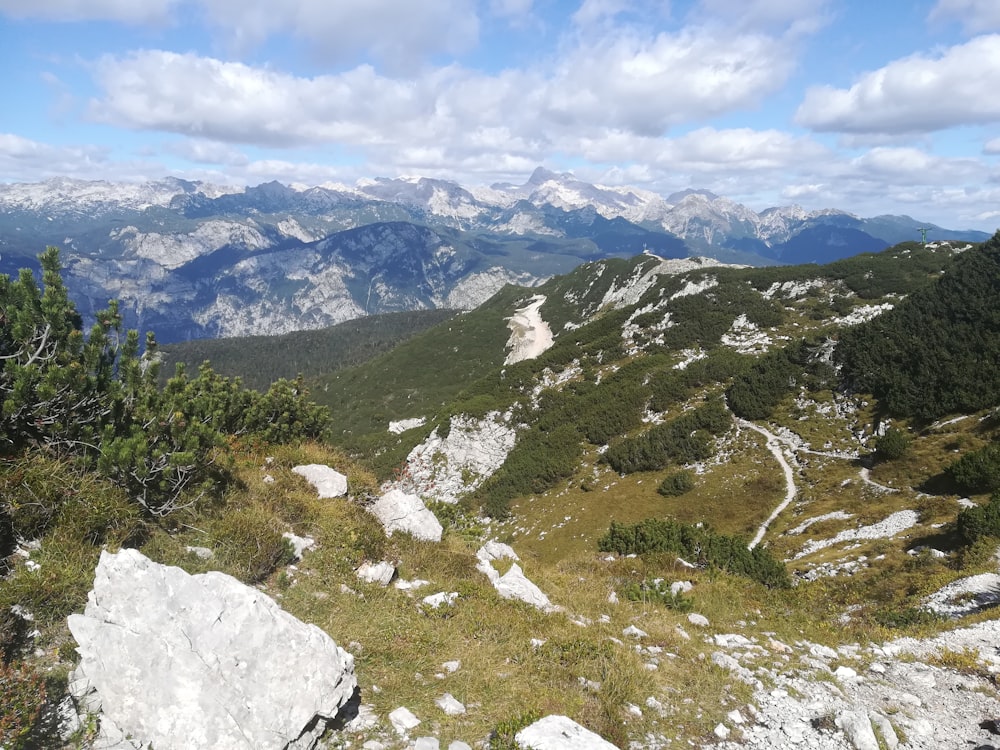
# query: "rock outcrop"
(173, 660)
(513, 584)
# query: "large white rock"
(182, 661)
(560, 733)
(399, 511)
(328, 482)
(515, 585)
(381, 573)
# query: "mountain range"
(195, 260)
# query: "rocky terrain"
(193, 260)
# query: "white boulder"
(560, 733)
(381, 573)
(399, 511)
(327, 481)
(515, 585)
(178, 661)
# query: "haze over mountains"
(194, 260)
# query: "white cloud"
(595, 11)
(640, 85)
(400, 32)
(25, 159)
(914, 94)
(203, 151)
(912, 166)
(976, 15)
(992, 146)
(125, 11)
(798, 16)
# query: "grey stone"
(399, 511)
(328, 482)
(560, 733)
(182, 661)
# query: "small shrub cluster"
(686, 439)
(893, 445)
(677, 484)
(978, 471)
(981, 521)
(698, 544)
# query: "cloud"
(203, 151)
(641, 85)
(915, 94)
(976, 15)
(596, 11)
(124, 11)
(399, 32)
(992, 146)
(24, 159)
(797, 16)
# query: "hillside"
(721, 540)
(260, 360)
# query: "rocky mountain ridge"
(194, 260)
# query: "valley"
(750, 507)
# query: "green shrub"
(893, 445)
(502, 736)
(697, 544)
(677, 484)
(978, 471)
(981, 521)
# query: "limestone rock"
(182, 661)
(399, 511)
(450, 705)
(403, 720)
(381, 573)
(299, 543)
(327, 481)
(515, 585)
(494, 550)
(560, 733)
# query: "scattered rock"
(403, 720)
(327, 481)
(633, 632)
(560, 733)
(449, 705)
(700, 620)
(299, 543)
(202, 553)
(399, 511)
(440, 599)
(381, 573)
(176, 660)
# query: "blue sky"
(884, 106)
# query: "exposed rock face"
(399, 511)
(560, 733)
(182, 661)
(444, 468)
(328, 482)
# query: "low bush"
(677, 484)
(893, 445)
(697, 544)
(978, 471)
(981, 521)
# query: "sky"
(873, 106)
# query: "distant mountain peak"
(681, 195)
(542, 175)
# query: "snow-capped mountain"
(190, 259)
